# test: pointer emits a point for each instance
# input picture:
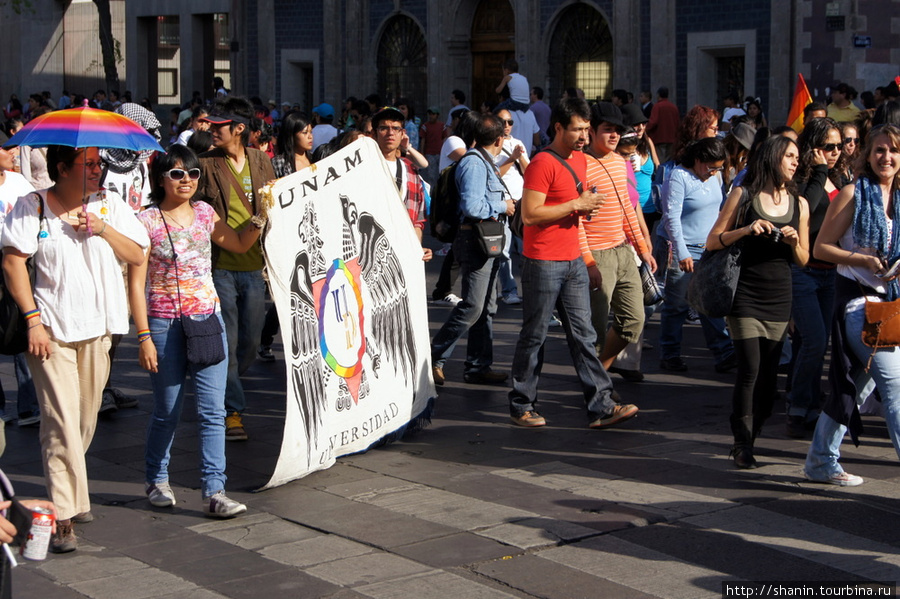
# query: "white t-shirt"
(184, 137)
(519, 91)
(78, 287)
(322, 134)
(524, 127)
(12, 189)
(451, 144)
(131, 188)
(513, 179)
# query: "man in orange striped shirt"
(606, 239)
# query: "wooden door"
(493, 42)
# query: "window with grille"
(402, 62)
(581, 53)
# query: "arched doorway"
(402, 62)
(581, 54)
(493, 42)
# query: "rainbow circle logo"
(341, 336)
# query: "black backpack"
(13, 328)
(444, 217)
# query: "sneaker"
(693, 316)
(63, 540)
(29, 419)
(437, 373)
(675, 364)
(841, 479)
(487, 377)
(83, 518)
(512, 299)
(234, 428)
(632, 376)
(264, 352)
(529, 419)
(108, 403)
(160, 494)
(220, 506)
(620, 413)
(555, 321)
(451, 298)
(122, 401)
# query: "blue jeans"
(563, 284)
(675, 311)
(824, 451)
(26, 396)
(813, 304)
(168, 394)
(242, 296)
(475, 313)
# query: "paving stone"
(283, 583)
(435, 585)
(188, 548)
(537, 532)
(225, 568)
(195, 593)
(135, 584)
(82, 566)
(30, 584)
(638, 568)
(552, 580)
(455, 550)
(316, 550)
(367, 569)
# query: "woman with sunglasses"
(849, 153)
(77, 239)
(772, 222)
(691, 196)
(174, 281)
(818, 181)
(861, 234)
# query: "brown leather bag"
(882, 326)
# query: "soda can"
(38, 540)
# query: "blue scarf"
(870, 226)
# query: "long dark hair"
(765, 166)
(815, 135)
(164, 162)
(293, 123)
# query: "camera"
(775, 235)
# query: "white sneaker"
(160, 494)
(221, 506)
(841, 479)
(452, 299)
(512, 299)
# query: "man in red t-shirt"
(554, 273)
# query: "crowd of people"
(602, 191)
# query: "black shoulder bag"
(13, 328)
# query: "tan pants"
(69, 388)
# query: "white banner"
(347, 278)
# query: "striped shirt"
(615, 220)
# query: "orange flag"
(800, 101)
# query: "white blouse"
(78, 286)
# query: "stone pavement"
(473, 507)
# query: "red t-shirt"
(557, 240)
(432, 137)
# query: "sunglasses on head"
(832, 147)
(177, 174)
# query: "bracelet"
(724, 245)
(100, 232)
(38, 323)
(142, 339)
(32, 314)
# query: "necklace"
(175, 220)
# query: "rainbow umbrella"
(84, 127)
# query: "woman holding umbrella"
(77, 301)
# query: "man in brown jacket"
(232, 174)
